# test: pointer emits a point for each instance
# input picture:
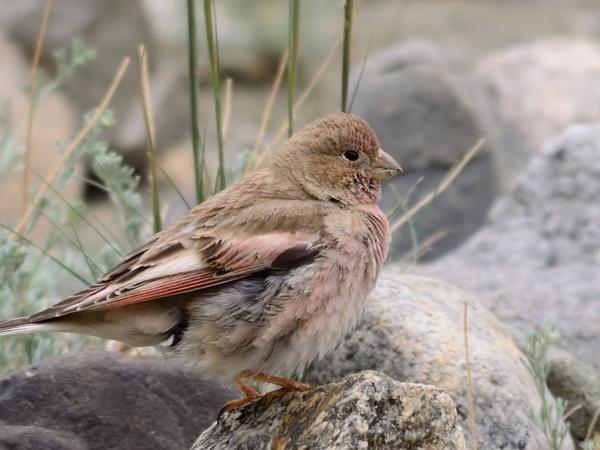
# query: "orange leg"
(286, 384)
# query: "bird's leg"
(249, 392)
(285, 384)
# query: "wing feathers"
(172, 270)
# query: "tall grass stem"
(192, 65)
(150, 137)
(75, 143)
(470, 402)
(444, 184)
(213, 55)
(348, 7)
(32, 101)
(228, 97)
(260, 159)
(293, 38)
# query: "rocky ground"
(515, 239)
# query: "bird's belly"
(310, 326)
(319, 335)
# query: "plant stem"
(348, 6)
(32, 100)
(192, 64)
(292, 61)
(211, 41)
(150, 136)
(75, 143)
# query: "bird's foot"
(235, 404)
(286, 385)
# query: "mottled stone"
(412, 330)
(536, 260)
(542, 87)
(367, 410)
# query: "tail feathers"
(24, 325)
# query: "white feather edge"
(182, 263)
(32, 328)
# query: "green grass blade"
(172, 183)
(292, 61)
(192, 64)
(45, 253)
(95, 270)
(82, 217)
(359, 79)
(348, 7)
(116, 194)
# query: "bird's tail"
(24, 325)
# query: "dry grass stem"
(227, 98)
(75, 143)
(279, 134)
(470, 403)
(213, 56)
(592, 425)
(271, 101)
(31, 109)
(424, 247)
(446, 182)
(150, 136)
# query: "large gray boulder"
(537, 258)
(427, 115)
(367, 410)
(540, 88)
(412, 330)
(101, 400)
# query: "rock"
(412, 330)
(54, 123)
(542, 87)
(537, 258)
(365, 410)
(579, 384)
(105, 400)
(33, 437)
(427, 116)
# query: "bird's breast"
(332, 291)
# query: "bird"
(260, 279)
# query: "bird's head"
(337, 158)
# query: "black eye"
(351, 155)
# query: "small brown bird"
(260, 279)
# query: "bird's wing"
(169, 267)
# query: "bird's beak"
(384, 167)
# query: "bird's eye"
(351, 155)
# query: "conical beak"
(384, 167)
